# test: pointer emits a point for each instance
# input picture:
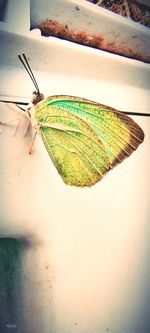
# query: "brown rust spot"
(54, 28)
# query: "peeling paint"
(99, 41)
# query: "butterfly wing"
(116, 135)
(74, 148)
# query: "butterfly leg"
(17, 125)
(27, 125)
(37, 128)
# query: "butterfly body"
(85, 139)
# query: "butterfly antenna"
(26, 65)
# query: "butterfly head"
(36, 97)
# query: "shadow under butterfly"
(84, 139)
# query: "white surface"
(95, 242)
(90, 73)
(16, 16)
(87, 267)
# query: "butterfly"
(84, 139)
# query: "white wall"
(85, 264)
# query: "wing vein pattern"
(85, 139)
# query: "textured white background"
(87, 267)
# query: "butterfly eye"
(36, 97)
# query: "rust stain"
(54, 28)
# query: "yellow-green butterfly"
(84, 139)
